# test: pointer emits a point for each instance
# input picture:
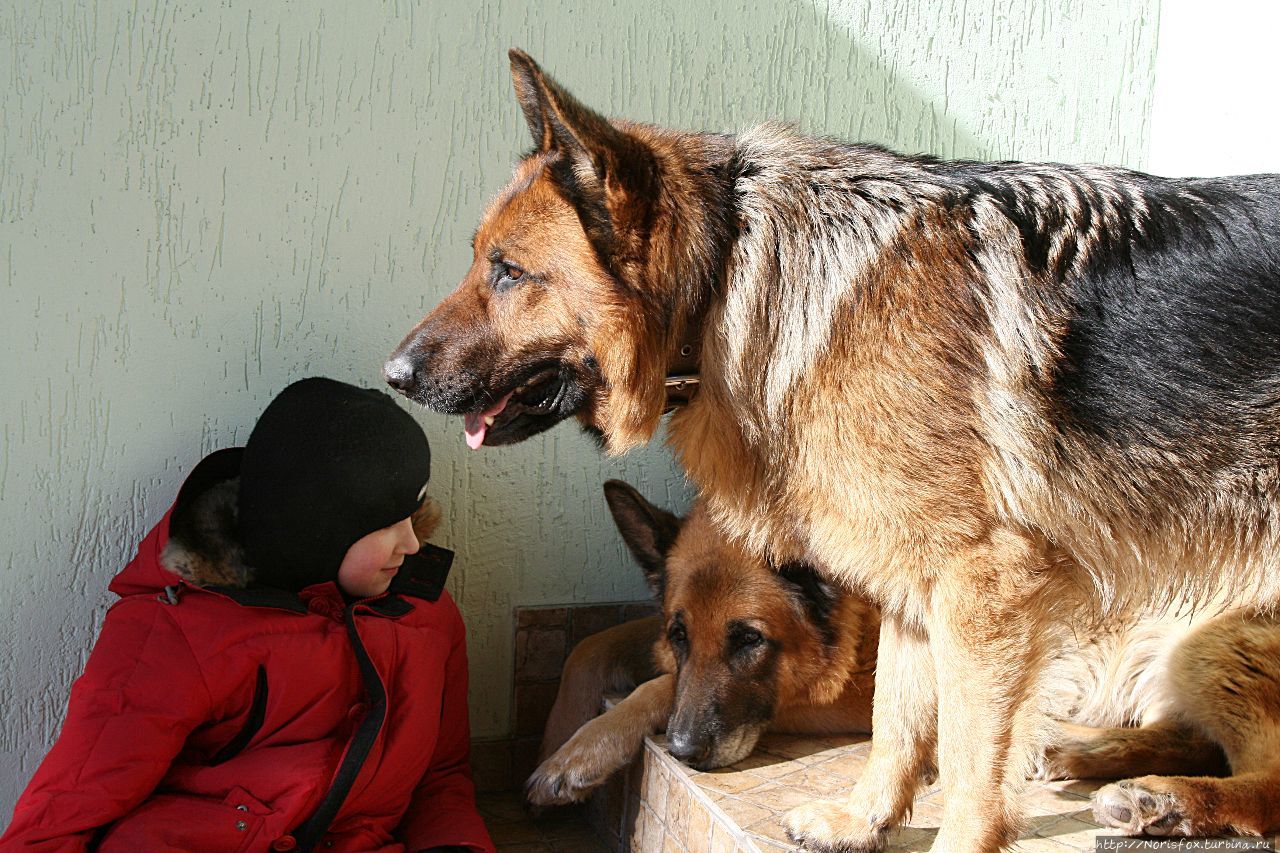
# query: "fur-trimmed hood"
(198, 542)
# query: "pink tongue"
(474, 425)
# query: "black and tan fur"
(1190, 696)
(995, 398)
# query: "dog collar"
(684, 371)
(682, 377)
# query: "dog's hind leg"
(603, 746)
(616, 658)
(903, 725)
(1162, 749)
(1226, 681)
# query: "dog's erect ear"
(649, 531)
(560, 122)
(533, 93)
(608, 174)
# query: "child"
(284, 670)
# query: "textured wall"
(200, 202)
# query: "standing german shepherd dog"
(995, 398)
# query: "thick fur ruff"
(996, 398)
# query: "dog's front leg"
(903, 733)
(985, 632)
(616, 658)
(603, 746)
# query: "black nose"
(687, 747)
(399, 374)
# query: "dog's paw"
(830, 827)
(569, 776)
(1137, 807)
(556, 785)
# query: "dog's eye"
(676, 635)
(749, 638)
(506, 276)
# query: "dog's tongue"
(474, 425)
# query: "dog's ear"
(607, 174)
(649, 531)
(817, 595)
(533, 91)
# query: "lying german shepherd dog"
(742, 646)
(997, 399)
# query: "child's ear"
(426, 519)
(649, 531)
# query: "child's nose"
(408, 540)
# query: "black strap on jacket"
(309, 833)
(423, 576)
(253, 722)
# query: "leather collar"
(683, 372)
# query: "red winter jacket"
(250, 719)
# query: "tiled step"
(662, 806)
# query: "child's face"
(373, 560)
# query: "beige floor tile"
(730, 781)
(847, 765)
(1043, 845)
(779, 797)
(671, 844)
(742, 812)
(698, 836)
(771, 766)
(1051, 800)
(926, 813)
(646, 826)
(816, 782)
(805, 750)
(911, 840)
(1071, 833)
(771, 828)
(723, 840)
(659, 788)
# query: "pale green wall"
(201, 202)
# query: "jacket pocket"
(252, 723)
(185, 823)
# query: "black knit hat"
(326, 464)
